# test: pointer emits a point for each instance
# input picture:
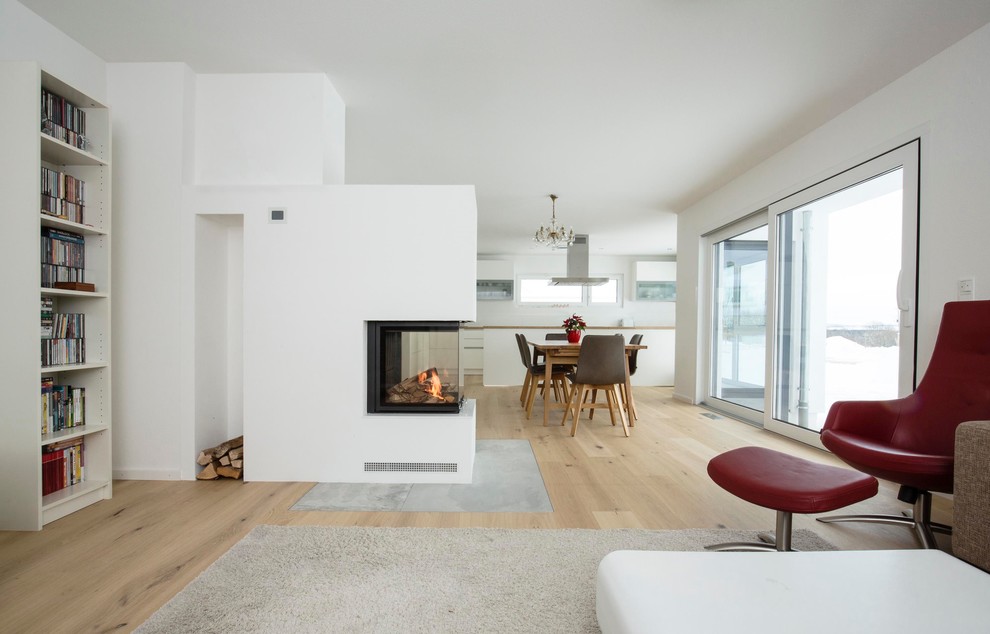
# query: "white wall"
(268, 129)
(153, 391)
(24, 36)
(346, 255)
(945, 102)
(510, 313)
(334, 141)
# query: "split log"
(219, 461)
(414, 389)
(209, 473)
(224, 447)
(229, 472)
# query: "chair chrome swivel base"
(779, 541)
(919, 519)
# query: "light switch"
(966, 289)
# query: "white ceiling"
(629, 110)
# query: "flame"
(434, 387)
(430, 381)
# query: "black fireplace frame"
(376, 360)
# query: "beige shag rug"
(355, 579)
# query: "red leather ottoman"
(786, 484)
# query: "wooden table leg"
(630, 404)
(546, 388)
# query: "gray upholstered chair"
(601, 366)
(635, 340)
(533, 380)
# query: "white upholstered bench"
(902, 591)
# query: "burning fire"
(431, 383)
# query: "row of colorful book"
(60, 325)
(63, 120)
(62, 195)
(63, 257)
(62, 406)
(62, 465)
(62, 335)
(62, 352)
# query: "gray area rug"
(506, 479)
(355, 579)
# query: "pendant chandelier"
(554, 235)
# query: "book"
(63, 120)
(47, 317)
(62, 195)
(63, 256)
(62, 406)
(62, 465)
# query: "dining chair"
(535, 373)
(633, 358)
(551, 336)
(601, 366)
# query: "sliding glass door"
(843, 280)
(739, 318)
(812, 300)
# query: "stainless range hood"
(577, 266)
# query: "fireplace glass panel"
(413, 366)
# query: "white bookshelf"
(25, 150)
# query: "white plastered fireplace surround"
(310, 285)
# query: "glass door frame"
(739, 227)
(906, 156)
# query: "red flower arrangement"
(574, 322)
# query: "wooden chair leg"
(622, 417)
(525, 388)
(533, 387)
(594, 399)
(580, 394)
(611, 399)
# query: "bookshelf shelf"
(61, 153)
(95, 365)
(40, 173)
(73, 432)
(52, 221)
(54, 502)
(61, 292)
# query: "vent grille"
(418, 467)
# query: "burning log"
(226, 460)
(426, 387)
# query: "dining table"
(560, 353)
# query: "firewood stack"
(226, 460)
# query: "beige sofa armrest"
(971, 494)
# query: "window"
(538, 290)
(607, 293)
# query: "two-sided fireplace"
(413, 367)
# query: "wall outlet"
(966, 289)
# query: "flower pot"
(573, 336)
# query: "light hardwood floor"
(109, 566)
